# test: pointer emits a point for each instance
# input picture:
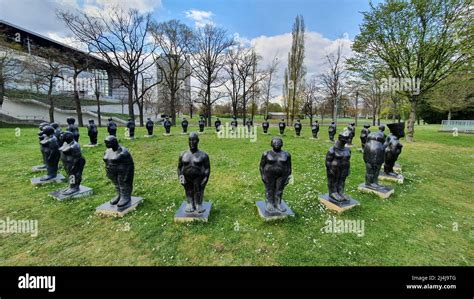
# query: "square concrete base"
(329, 141)
(107, 209)
(382, 193)
(313, 138)
(398, 178)
(83, 192)
(149, 136)
(58, 179)
(91, 145)
(273, 216)
(182, 133)
(182, 217)
(296, 136)
(339, 207)
(165, 134)
(38, 168)
(201, 133)
(130, 138)
(396, 168)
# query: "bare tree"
(333, 80)
(269, 83)
(10, 67)
(120, 37)
(208, 61)
(175, 40)
(47, 65)
(233, 84)
(311, 99)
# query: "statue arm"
(263, 161)
(207, 170)
(329, 158)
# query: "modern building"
(26, 44)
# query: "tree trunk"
(209, 104)
(411, 122)
(173, 108)
(2, 91)
(191, 110)
(449, 114)
(51, 101)
(140, 111)
(374, 114)
(78, 102)
(97, 96)
(131, 114)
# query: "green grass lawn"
(416, 226)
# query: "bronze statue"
(249, 124)
(73, 128)
(194, 169)
(202, 124)
(265, 126)
(57, 133)
(315, 129)
(393, 147)
(167, 125)
(149, 126)
(351, 128)
(112, 127)
(338, 167)
(298, 127)
(92, 132)
(364, 133)
(275, 170)
(51, 154)
(42, 136)
(218, 124)
(282, 126)
(120, 170)
(234, 123)
(373, 157)
(131, 128)
(73, 163)
(184, 125)
(332, 131)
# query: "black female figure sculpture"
(92, 132)
(298, 127)
(41, 136)
(194, 169)
(265, 126)
(131, 129)
(73, 163)
(51, 154)
(315, 129)
(282, 126)
(120, 170)
(149, 127)
(332, 131)
(73, 128)
(234, 123)
(167, 125)
(364, 133)
(184, 125)
(112, 127)
(202, 124)
(218, 124)
(249, 125)
(374, 151)
(338, 169)
(351, 128)
(275, 170)
(58, 133)
(393, 148)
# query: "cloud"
(201, 18)
(316, 48)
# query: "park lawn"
(428, 221)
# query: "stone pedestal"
(398, 178)
(58, 179)
(182, 133)
(334, 205)
(166, 134)
(91, 145)
(107, 209)
(397, 168)
(182, 217)
(384, 192)
(273, 216)
(83, 192)
(149, 136)
(349, 145)
(130, 138)
(38, 168)
(313, 138)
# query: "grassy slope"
(414, 227)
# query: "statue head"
(91, 121)
(184, 118)
(397, 129)
(70, 120)
(332, 123)
(110, 118)
(111, 142)
(298, 120)
(344, 136)
(68, 137)
(193, 141)
(382, 128)
(277, 144)
(54, 125)
(366, 126)
(48, 130)
(129, 119)
(316, 121)
(148, 118)
(282, 119)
